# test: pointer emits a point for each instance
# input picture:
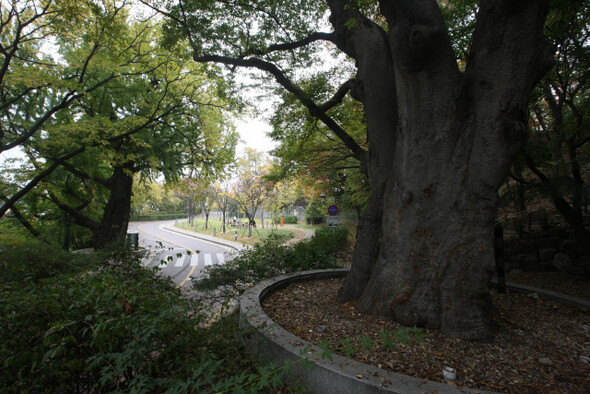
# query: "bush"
(315, 219)
(151, 218)
(272, 258)
(73, 323)
(288, 219)
(329, 238)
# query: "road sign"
(333, 210)
(332, 221)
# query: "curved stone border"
(270, 342)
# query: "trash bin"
(133, 240)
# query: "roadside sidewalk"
(307, 234)
(216, 240)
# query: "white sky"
(253, 134)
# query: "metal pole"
(499, 254)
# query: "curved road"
(180, 256)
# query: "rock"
(572, 248)
(564, 263)
(545, 361)
(321, 329)
(547, 254)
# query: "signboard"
(333, 210)
(332, 221)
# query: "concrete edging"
(270, 342)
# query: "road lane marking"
(220, 258)
(208, 260)
(194, 260)
(188, 277)
(139, 228)
(180, 261)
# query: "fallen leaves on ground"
(539, 346)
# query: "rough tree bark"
(440, 147)
(112, 230)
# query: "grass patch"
(214, 226)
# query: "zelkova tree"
(441, 133)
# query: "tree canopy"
(112, 102)
(443, 124)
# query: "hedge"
(288, 219)
(151, 218)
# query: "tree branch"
(316, 36)
(358, 152)
(81, 219)
(18, 215)
(83, 175)
(338, 96)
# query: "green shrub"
(150, 218)
(74, 323)
(288, 219)
(272, 258)
(28, 260)
(291, 219)
(315, 219)
(280, 236)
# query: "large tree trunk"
(439, 147)
(112, 230)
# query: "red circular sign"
(333, 210)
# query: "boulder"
(572, 248)
(564, 263)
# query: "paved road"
(180, 256)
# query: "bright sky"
(253, 134)
(253, 126)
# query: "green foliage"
(314, 219)
(165, 216)
(271, 258)
(30, 260)
(73, 323)
(109, 98)
(459, 16)
(316, 213)
(401, 336)
(288, 219)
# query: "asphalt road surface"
(179, 256)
